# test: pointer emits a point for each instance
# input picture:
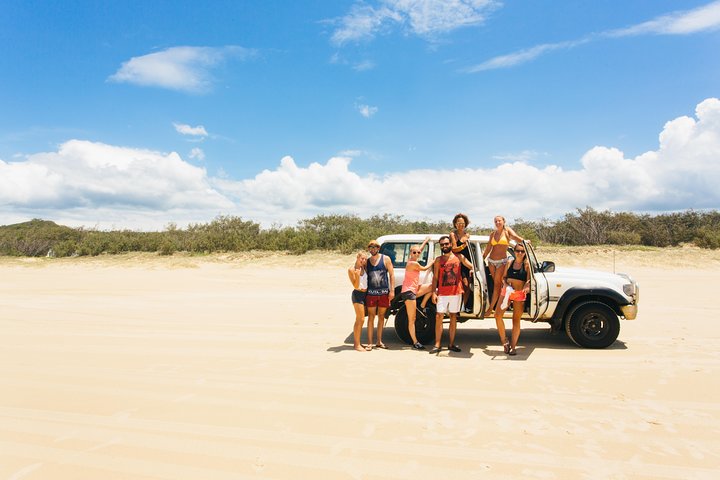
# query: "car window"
(399, 253)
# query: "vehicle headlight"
(629, 289)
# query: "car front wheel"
(592, 325)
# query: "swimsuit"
(498, 263)
(517, 274)
(503, 240)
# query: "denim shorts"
(358, 296)
(407, 295)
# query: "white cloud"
(83, 178)
(198, 131)
(367, 111)
(522, 56)
(197, 154)
(364, 66)
(704, 18)
(682, 173)
(184, 69)
(86, 183)
(424, 18)
(523, 156)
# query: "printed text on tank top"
(378, 283)
(449, 281)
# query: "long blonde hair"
(504, 229)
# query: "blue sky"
(138, 114)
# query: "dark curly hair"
(463, 216)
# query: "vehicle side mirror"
(547, 267)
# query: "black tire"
(592, 325)
(424, 325)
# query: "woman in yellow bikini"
(496, 253)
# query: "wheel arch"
(577, 295)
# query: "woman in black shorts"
(358, 278)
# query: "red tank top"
(449, 281)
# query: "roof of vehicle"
(419, 237)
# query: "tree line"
(347, 233)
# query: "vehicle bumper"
(629, 311)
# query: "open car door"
(539, 290)
(479, 285)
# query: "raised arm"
(354, 275)
(514, 235)
(428, 266)
(465, 261)
(454, 241)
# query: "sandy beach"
(241, 366)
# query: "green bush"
(348, 233)
(623, 238)
(708, 238)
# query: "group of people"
(373, 280)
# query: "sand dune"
(241, 366)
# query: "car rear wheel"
(424, 324)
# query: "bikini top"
(503, 240)
(517, 274)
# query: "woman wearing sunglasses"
(516, 276)
(411, 289)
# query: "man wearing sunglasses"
(447, 291)
(380, 290)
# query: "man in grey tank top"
(381, 290)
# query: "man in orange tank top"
(447, 291)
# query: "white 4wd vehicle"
(587, 304)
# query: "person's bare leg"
(425, 292)
(438, 329)
(372, 311)
(497, 287)
(357, 328)
(517, 313)
(453, 328)
(500, 323)
(381, 326)
(410, 306)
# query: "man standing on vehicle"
(380, 290)
(447, 291)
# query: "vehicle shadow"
(488, 342)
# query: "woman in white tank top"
(359, 279)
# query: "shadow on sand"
(487, 341)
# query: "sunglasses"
(519, 251)
(415, 252)
(373, 246)
(444, 244)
